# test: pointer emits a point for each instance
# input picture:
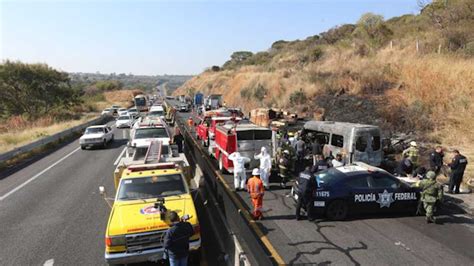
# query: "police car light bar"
(155, 166)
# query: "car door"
(361, 198)
(110, 134)
(385, 187)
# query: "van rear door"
(368, 146)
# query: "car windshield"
(155, 113)
(329, 176)
(107, 109)
(151, 187)
(132, 110)
(124, 118)
(94, 130)
(148, 133)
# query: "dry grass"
(430, 94)
(17, 131)
(15, 138)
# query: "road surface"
(51, 211)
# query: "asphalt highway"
(51, 212)
(367, 240)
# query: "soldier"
(431, 193)
(457, 165)
(284, 168)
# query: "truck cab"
(148, 187)
(246, 138)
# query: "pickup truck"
(148, 187)
(96, 136)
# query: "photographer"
(176, 241)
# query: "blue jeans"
(179, 261)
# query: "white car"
(156, 111)
(133, 112)
(144, 135)
(96, 136)
(124, 121)
(107, 111)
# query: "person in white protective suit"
(239, 170)
(265, 166)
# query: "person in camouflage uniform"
(432, 192)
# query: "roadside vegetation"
(413, 73)
(38, 101)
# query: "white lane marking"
(38, 174)
(120, 156)
(49, 262)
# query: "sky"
(166, 37)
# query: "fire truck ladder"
(153, 153)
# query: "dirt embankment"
(397, 89)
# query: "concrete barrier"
(46, 140)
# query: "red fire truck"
(205, 128)
(246, 138)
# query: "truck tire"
(337, 210)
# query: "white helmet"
(256, 171)
(413, 144)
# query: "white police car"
(359, 188)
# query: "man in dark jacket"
(306, 185)
(320, 165)
(178, 139)
(436, 159)
(405, 166)
(457, 165)
(176, 241)
(316, 150)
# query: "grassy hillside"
(409, 73)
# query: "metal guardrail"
(227, 203)
(44, 141)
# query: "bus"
(141, 103)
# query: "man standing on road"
(256, 191)
(178, 139)
(320, 165)
(176, 241)
(457, 165)
(316, 150)
(431, 193)
(284, 168)
(239, 170)
(300, 148)
(265, 166)
(436, 159)
(306, 185)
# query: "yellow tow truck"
(147, 190)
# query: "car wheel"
(104, 143)
(83, 147)
(337, 210)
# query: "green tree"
(33, 89)
(371, 28)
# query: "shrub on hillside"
(298, 97)
(372, 30)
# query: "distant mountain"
(133, 81)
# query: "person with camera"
(176, 242)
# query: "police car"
(359, 188)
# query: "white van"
(356, 142)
